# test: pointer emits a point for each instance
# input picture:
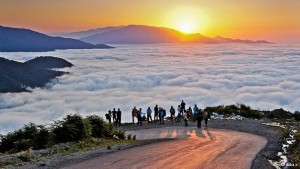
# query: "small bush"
(8, 141)
(134, 137)
(99, 128)
(26, 156)
(120, 134)
(129, 136)
(23, 144)
(297, 115)
(42, 138)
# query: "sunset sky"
(273, 20)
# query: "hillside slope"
(16, 76)
(25, 40)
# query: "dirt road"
(209, 149)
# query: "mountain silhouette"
(220, 39)
(25, 40)
(86, 33)
(141, 34)
(17, 76)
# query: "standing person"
(189, 113)
(185, 117)
(206, 116)
(178, 119)
(196, 111)
(161, 116)
(149, 112)
(182, 105)
(108, 116)
(114, 112)
(119, 114)
(134, 114)
(199, 119)
(172, 112)
(139, 116)
(156, 114)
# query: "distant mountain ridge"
(141, 34)
(86, 33)
(25, 40)
(16, 76)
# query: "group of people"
(188, 114)
(159, 115)
(194, 114)
(115, 115)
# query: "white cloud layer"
(262, 76)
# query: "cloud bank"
(262, 76)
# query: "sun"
(186, 25)
(185, 19)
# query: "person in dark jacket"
(108, 116)
(199, 119)
(119, 114)
(196, 111)
(182, 105)
(162, 116)
(206, 116)
(172, 112)
(114, 113)
(156, 114)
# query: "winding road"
(195, 149)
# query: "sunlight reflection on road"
(171, 132)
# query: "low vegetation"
(73, 128)
(248, 112)
(295, 149)
(238, 109)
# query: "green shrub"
(23, 144)
(8, 140)
(29, 131)
(71, 128)
(20, 139)
(134, 137)
(251, 114)
(297, 115)
(120, 134)
(99, 127)
(42, 138)
(129, 136)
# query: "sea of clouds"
(262, 76)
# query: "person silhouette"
(114, 113)
(134, 114)
(156, 114)
(149, 112)
(172, 112)
(119, 114)
(139, 116)
(182, 105)
(199, 118)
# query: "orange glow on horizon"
(276, 21)
(186, 20)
